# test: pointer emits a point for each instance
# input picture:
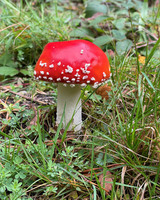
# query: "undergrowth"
(117, 154)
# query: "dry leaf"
(122, 178)
(141, 59)
(103, 91)
(111, 53)
(73, 195)
(108, 178)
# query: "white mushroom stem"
(69, 103)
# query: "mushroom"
(72, 65)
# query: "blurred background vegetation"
(26, 26)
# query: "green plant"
(25, 30)
(120, 136)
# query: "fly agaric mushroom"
(72, 64)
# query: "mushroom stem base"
(69, 103)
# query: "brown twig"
(144, 45)
(25, 97)
(11, 26)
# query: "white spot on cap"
(95, 85)
(77, 75)
(35, 72)
(51, 66)
(42, 64)
(73, 79)
(62, 72)
(50, 78)
(93, 79)
(104, 74)
(47, 73)
(84, 70)
(41, 72)
(39, 76)
(77, 70)
(68, 81)
(85, 77)
(65, 78)
(83, 84)
(45, 77)
(81, 52)
(88, 81)
(87, 65)
(59, 63)
(69, 69)
(58, 79)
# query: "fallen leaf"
(111, 53)
(73, 195)
(141, 59)
(108, 179)
(122, 178)
(103, 91)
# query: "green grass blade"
(57, 135)
(149, 82)
(94, 193)
(152, 52)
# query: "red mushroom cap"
(73, 62)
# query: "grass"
(117, 154)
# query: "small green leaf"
(119, 23)
(95, 7)
(25, 72)
(152, 52)
(97, 20)
(20, 175)
(118, 34)
(8, 71)
(99, 41)
(17, 160)
(123, 46)
(81, 32)
(6, 60)
(2, 189)
(99, 159)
